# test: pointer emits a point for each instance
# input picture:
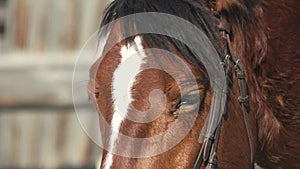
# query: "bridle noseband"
(208, 151)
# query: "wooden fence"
(39, 42)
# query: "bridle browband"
(208, 151)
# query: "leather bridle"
(208, 151)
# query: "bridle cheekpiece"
(208, 151)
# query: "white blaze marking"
(132, 56)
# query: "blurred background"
(39, 43)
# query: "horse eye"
(178, 105)
(187, 101)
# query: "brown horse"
(166, 84)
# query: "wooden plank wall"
(3, 18)
(38, 125)
(38, 48)
(50, 25)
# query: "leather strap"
(243, 98)
(208, 151)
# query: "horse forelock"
(194, 12)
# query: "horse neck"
(265, 70)
(249, 43)
(248, 36)
(249, 40)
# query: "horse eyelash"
(189, 101)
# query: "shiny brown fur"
(266, 37)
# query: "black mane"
(191, 10)
(196, 12)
